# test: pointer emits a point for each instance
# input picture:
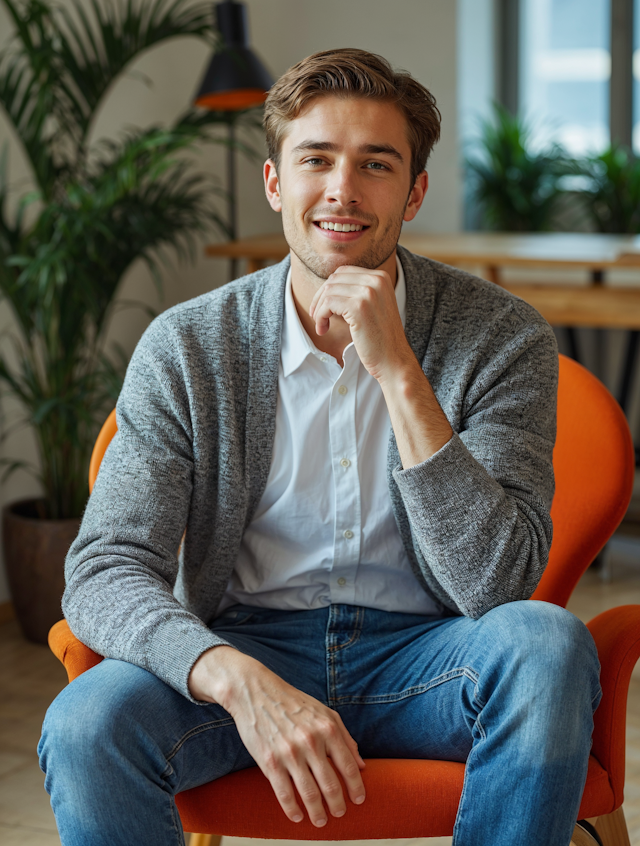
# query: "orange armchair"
(594, 466)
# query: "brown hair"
(353, 73)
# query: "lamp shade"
(236, 78)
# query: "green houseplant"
(517, 188)
(612, 191)
(98, 207)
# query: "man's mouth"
(340, 227)
(341, 231)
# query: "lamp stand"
(232, 212)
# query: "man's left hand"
(366, 300)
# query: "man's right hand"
(291, 736)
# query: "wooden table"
(593, 303)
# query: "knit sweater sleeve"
(479, 509)
(121, 569)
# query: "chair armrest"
(76, 657)
(617, 636)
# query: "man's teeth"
(340, 227)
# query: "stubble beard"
(322, 267)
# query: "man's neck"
(304, 285)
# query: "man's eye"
(376, 166)
(314, 161)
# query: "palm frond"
(101, 208)
(96, 47)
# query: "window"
(565, 67)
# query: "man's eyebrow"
(323, 146)
(385, 149)
(329, 147)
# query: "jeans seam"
(357, 631)
(332, 651)
(177, 826)
(456, 825)
(228, 721)
(385, 698)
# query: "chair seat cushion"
(405, 798)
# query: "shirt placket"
(344, 458)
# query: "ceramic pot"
(34, 553)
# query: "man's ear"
(272, 185)
(416, 196)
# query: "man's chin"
(323, 266)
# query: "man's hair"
(353, 73)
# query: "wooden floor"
(30, 677)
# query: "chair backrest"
(594, 467)
(109, 428)
(594, 464)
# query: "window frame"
(621, 80)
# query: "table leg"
(572, 340)
(629, 367)
(492, 273)
(254, 264)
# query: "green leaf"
(98, 210)
(517, 188)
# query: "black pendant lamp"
(236, 79)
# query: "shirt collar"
(297, 345)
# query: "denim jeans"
(512, 694)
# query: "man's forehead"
(321, 123)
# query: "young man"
(358, 442)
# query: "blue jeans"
(512, 694)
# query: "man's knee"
(99, 716)
(547, 643)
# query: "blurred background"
(540, 103)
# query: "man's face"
(344, 162)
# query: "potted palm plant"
(98, 208)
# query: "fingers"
(313, 785)
(347, 301)
(349, 763)
(346, 297)
(283, 789)
(306, 766)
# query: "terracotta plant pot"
(34, 553)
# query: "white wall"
(417, 35)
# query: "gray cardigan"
(196, 422)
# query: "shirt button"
(342, 581)
(345, 462)
(348, 534)
(343, 389)
(323, 358)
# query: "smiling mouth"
(340, 227)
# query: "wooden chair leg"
(205, 840)
(612, 829)
(584, 834)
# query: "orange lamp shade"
(232, 101)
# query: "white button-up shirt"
(324, 531)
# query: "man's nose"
(343, 187)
